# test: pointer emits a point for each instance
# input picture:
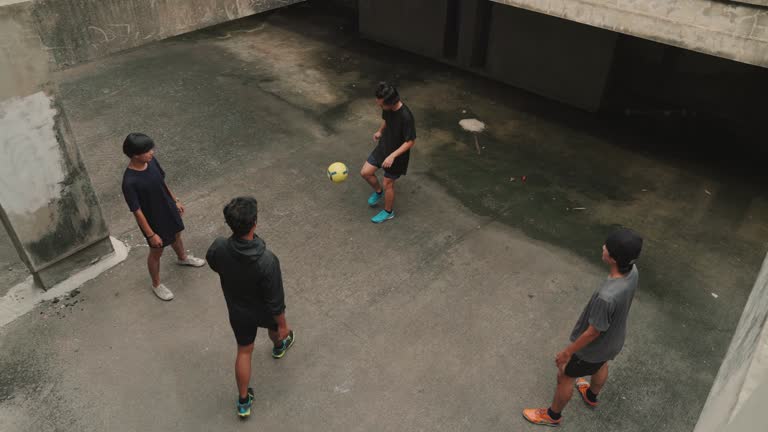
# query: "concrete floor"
(446, 318)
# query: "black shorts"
(577, 368)
(245, 332)
(387, 173)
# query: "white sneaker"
(191, 261)
(163, 293)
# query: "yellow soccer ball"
(337, 172)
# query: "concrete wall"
(555, 58)
(47, 204)
(415, 26)
(649, 74)
(528, 50)
(78, 30)
(741, 385)
(732, 30)
(45, 193)
(23, 59)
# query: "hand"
(283, 332)
(562, 358)
(180, 206)
(155, 241)
(377, 136)
(388, 162)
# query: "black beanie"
(624, 246)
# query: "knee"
(245, 349)
(389, 184)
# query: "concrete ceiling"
(732, 30)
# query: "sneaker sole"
(541, 424)
(381, 222)
(244, 416)
(189, 265)
(163, 299)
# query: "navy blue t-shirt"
(146, 190)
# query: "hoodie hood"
(246, 250)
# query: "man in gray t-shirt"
(599, 333)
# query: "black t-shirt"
(401, 127)
(146, 190)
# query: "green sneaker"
(279, 352)
(383, 216)
(375, 198)
(244, 409)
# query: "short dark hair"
(388, 93)
(241, 215)
(137, 143)
(624, 246)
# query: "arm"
(377, 134)
(210, 256)
(586, 338)
(400, 150)
(179, 205)
(275, 298)
(154, 239)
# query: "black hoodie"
(250, 278)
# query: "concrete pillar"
(47, 203)
(740, 391)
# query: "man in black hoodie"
(253, 288)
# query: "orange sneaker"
(582, 385)
(540, 416)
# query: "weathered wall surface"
(79, 30)
(736, 31)
(23, 59)
(743, 377)
(47, 201)
(522, 48)
(411, 25)
(532, 51)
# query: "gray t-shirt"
(607, 311)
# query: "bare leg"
(153, 263)
(243, 369)
(368, 172)
(273, 336)
(178, 247)
(563, 393)
(389, 196)
(598, 380)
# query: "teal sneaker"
(244, 409)
(279, 351)
(375, 198)
(383, 216)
